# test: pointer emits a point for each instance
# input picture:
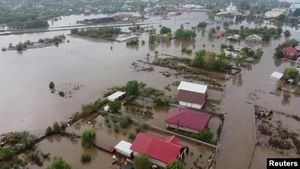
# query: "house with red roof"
(290, 53)
(160, 151)
(188, 120)
(192, 95)
(218, 34)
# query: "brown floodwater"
(27, 104)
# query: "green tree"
(88, 138)
(59, 163)
(115, 106)
(165, 30)
(175, 165)
(132, 88)
(290, 73)
(142, 162)
(89, 108)
(152, 39)
(206, 136)
(6, 153)
(199, 58)
(86, 157)
(202, 25)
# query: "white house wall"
(191, 105)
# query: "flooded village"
(147, 84)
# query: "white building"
(115, 96)
(192, 95)
(123, 147)
(231, 8)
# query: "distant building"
(231, 8)
(290, 53)
(275, 13)
(160, 151)
(123, 147)
(192, 95)
(295, 5)
(253, 39)
(276, 76)
(218, 34)
(188, 120)
(116, 96)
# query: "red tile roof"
(190, 119)
(191, 97)
(291, 51)
(166, 150)
(219, 34)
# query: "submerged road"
(238, 134)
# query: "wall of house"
(191, 105)
(182, 128)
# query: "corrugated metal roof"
(192, 87)
(115, 96)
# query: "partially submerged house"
(290, 53)
(160, 151)
(116, 96)
(192, 95)
(218, 34)
(188, 120)
(276, 76)
(234, 37)
(123, 148)
(230, 54)
(253, 39)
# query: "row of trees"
(184, 34)
(109, 33)
(266, 33)
(210, 60)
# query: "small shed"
(116, 96)
(276, 76)
(123, 147)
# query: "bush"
(115, 106)
(165, 30)
(88, 138)
(175, 165)
(59, 163)
(132, 88)
(160, 101)
(142, 162)
(133, 42)
(202, 25)
(185, 34)
(6, 153)
(89, 108)
(55, 129)
(132, 135)
(86, 157)
(144, 127)
(124, 122)
(291, 73)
